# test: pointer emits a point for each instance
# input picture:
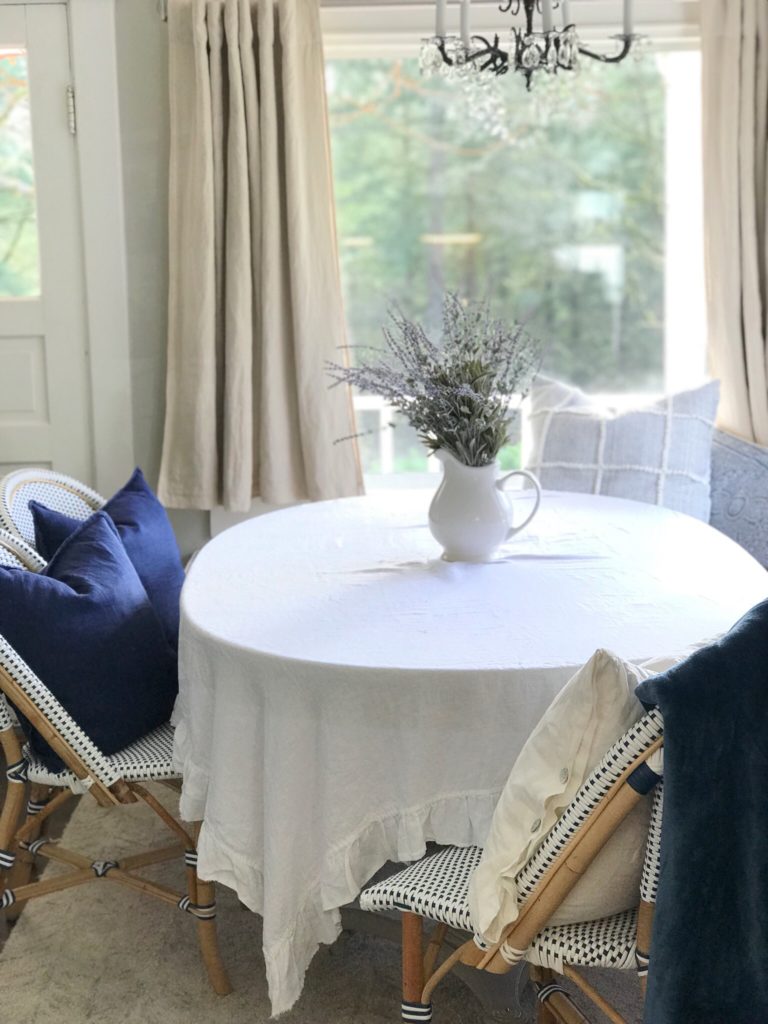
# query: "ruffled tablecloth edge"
(401, 837)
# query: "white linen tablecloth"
(346, 696)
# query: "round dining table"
(346, 696)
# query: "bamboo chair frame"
(421, 976)
(23, 841)
(16, 551)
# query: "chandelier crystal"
(528, 49)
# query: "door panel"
(44, 380)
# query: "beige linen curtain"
(254, 297)
(735, 97)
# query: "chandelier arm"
(498, 59)
(528, 51)
(444, 53)
(605, 58)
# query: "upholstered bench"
(739, 487)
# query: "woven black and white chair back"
(61, 493)
(647, 731)
(15, 554)
(92, 764)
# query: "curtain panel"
(735, 110)
(254, 296)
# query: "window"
(19, 273)
(561, 206)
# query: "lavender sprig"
(458, 394)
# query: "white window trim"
(93, 59)
(94, 72)
(395, 27)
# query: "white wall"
(142, 55)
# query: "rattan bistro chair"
(437, 887)
(61, 493)
(114, 780)
(18, 554)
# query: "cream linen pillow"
(612, 882)
(592, 711)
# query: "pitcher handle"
(522, 472)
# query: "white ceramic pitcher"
(469, 514)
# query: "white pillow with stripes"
(659, 454)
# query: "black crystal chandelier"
(537, 45)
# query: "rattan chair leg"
(200, 894)
(553, 1004)
(21, 872)
(207, 935)
(593, 995)
(142, 860)
(644, 930)
(12, 805)
(565, 1011)
(544, 1014)
(192, 884)
(434, 946)
(25, 832)
(164, 815)
(55, 884)
(541, 977)
(209, 942)
(412, 1007)
(468, 954)
(63, 856)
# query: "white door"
(44, 380)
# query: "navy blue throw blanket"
(709, 951)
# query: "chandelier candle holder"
(527, 49)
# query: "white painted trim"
(685, 303)
(395, 27)
(60, 433)
(94, 69)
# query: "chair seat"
(437, 888)
(147, 758)
(607, 942)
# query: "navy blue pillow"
(86, 627)
(148, 536)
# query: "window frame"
(385, 28)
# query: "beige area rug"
(104, 954)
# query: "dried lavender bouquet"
(457, 394)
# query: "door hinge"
(71, 112)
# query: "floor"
(77, 955)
